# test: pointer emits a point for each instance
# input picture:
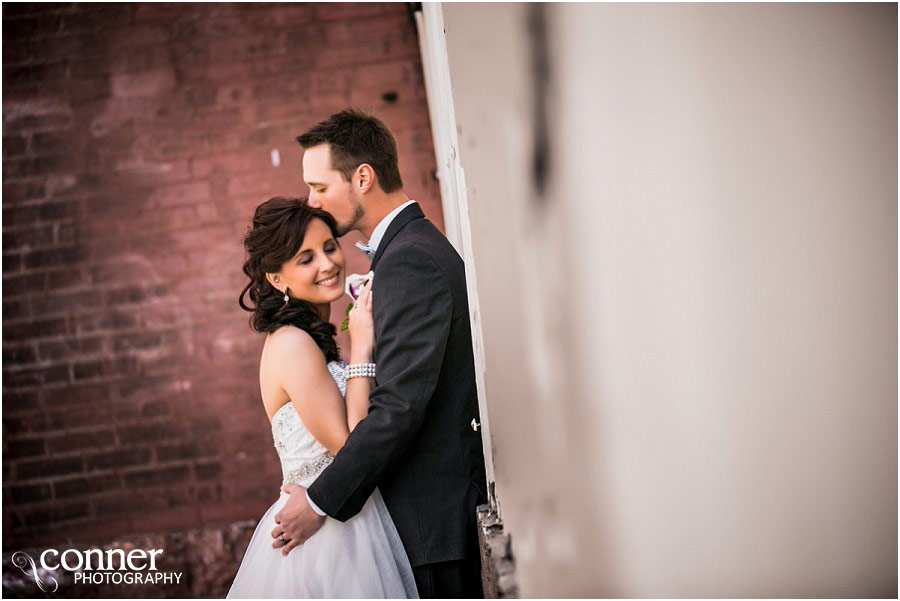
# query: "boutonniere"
(352, 286)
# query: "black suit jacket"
(416, 444)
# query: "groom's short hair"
(356, 138)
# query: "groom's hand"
(296, 521)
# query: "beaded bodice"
(302, 457)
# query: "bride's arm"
(299, 365)
(358, 397)
(362, 342)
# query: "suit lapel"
(410, 213)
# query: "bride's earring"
(285, 291)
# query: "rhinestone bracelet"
(360, 370)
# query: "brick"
(184, 450)
(12, 263)
(66, 303)
(32, 26)
(71, 48)
(81, 394)
(56, 350)
(64, 233)
(118, 504)
(253, 45)
(80, 487)
(31, 493)
(14, 146)
(18, 355)
(162, 363)
(89, 20)
(64, 278)
(124, 412)
(50, 143)
(154, 409)
(25, 447)
(14, 424)
(209, 494)
(134, 294)
(32, 422)
(112, 320)
(205, 425)
(33, 329)
(170, 519)
(104, 368)
(81, 440)
(36, 376)
(132, 60)
(86, 371)
(152, 432)
(26, 75)
(16, 399)
(84, 91)
(109, 272)
(17, 53)
(56, 514)
(53, 211)
(149, 83)
(19, 285)
(24, 239)
(117, 136)
(15, 192)
(139, 35)
(180, 194)
(166, 475)
(21, 9)
(208, 471)
(39, 121)
(146, 387)
(119, 458)
(44, 468)
(383, 27)
(20, 215)
(96, 414)
(354, 10)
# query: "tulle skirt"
(360, 558)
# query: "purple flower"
(355, 282)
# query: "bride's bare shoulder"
(291, 342)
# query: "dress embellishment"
(302, 457)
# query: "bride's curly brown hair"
(275, 236)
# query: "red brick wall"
(137, 140)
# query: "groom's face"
(328, 190)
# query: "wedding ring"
(281, 538)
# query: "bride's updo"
(275, 236)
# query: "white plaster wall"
(690, 344)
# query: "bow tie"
(370, 252)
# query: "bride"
(313, 400)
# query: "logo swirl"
(22, 561)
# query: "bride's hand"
(362, 327)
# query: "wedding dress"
(360, 558)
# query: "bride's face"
(316, 273)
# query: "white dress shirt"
(371, 247)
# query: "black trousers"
(459, 579)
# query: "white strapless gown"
(360, 558)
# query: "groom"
(419, 443)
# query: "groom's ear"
(364, 178)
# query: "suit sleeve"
(413, 309)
